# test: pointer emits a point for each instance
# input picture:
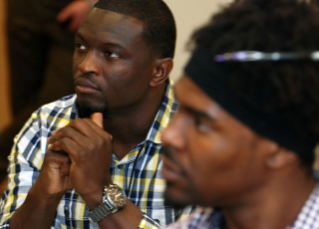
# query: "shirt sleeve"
(148, 223)
(21, 174)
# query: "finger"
(82, 131)
(68, 132)
(63, 160)
(68, 146)
(97, 129)
(65, 167)
(65, 13)
(74, 25)
(97, 118)
(63, 16)
(57, 158)
(52, 134)
(89, 128)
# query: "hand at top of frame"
(73, 14)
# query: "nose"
(173, 135)
(90, 64)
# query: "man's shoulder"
(54, 115)
(31, 140)
(49, 117)
(63, 103)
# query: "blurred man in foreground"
(243, 139)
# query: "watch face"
(117, 195)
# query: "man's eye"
(80, 46)
(113, 55)
(202, 126)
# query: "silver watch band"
(108, 206)
(104, 209)
(99, 212)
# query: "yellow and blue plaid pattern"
(147, 184)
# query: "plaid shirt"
(206, 218)
(147, 184)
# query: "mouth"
(170, 171)
(85, 86)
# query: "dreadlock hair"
(159, 31)
(290, 88)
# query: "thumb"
(97, 118)
(63, 16)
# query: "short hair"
(290, 88)
(159, 31)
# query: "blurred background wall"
(4, 74)
(189, 15)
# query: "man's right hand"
(45, 195)
(52, 183)
(54, 177)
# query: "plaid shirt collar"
(161, 121)
(309, 214)
(162, 118)
(164, 115)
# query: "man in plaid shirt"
(92, 160)
(242, 142)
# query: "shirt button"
(120, 166)
(66, 212)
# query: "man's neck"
(129, 127)
(276, 205)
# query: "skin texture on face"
(211, 159)
(112, 65)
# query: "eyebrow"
(199, 114)
(79, 35)
(112, 44)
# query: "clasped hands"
(79, 157)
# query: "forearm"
(129, 217)
(36, 212)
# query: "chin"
(85, 110)
(176, 204)
(177, 198)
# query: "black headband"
(213, 78)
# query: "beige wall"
(5, 117)
(189, 15)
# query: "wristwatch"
(113, 200)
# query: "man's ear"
(281, 158)
(162, 69)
